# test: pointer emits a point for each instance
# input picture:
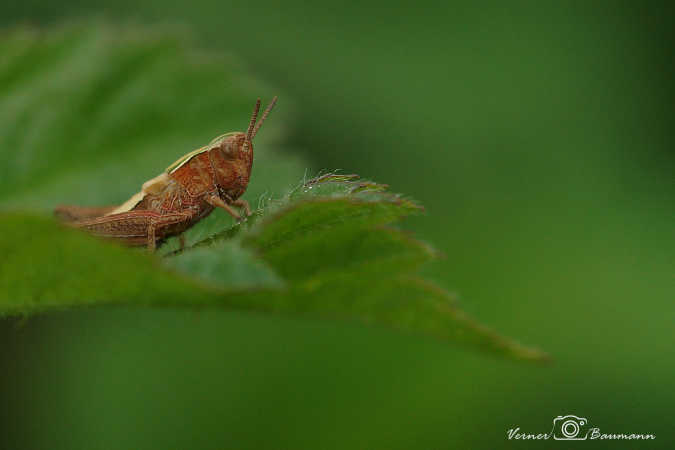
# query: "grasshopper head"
(240, 145)
(235, 156)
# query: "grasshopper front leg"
(218, 202)
(241, 203)
(134, 227)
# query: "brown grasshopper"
(212, 176)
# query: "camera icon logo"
(570, 428)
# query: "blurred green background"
(539, 139)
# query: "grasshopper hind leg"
(71, 213)
(136, 227)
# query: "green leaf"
(90, 112)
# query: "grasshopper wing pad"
(154, 186)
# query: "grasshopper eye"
(228, 148)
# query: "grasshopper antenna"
(264, 116)
(250, 132)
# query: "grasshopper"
(214, 176)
